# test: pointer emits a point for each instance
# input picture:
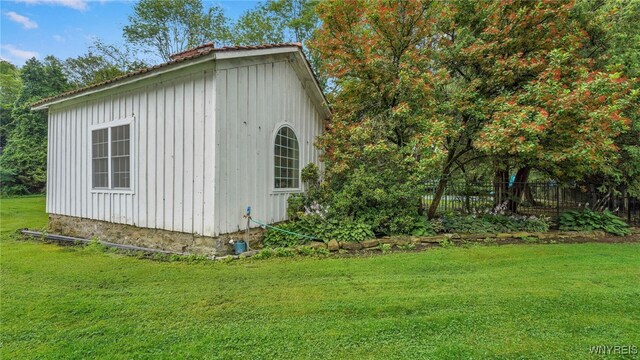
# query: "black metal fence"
(535, 198)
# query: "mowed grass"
(524, 301)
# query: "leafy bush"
(385, 199)
(311, 200)
(264, 254)
(275, 238)
(352, 232)
(317, 227)
(423, 227)
(588, 219)
(493, 223)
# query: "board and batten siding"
(172, 157)
(252, 102)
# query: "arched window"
(286, 159)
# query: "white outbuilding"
(184, 147)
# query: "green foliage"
(384, 197)
(165, 27)
(10, 84)
(306, 250)
(275, 238)
(317, 227)
(587, 220)
(493, 223)
(407, 247)
(89, 69)
(446, 243)
(24, 158)
(352, 232)
(265, 253)
(309, 202)
(384, 248)
(276, 21)
(423, 227)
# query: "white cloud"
(74, 4)
(23, 20)
(19, 53)
(58, 38)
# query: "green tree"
(444, 82)
(165, 27)
(276, 21)
(10, 84)
(614, 43)
(24, 159)
(89, 69)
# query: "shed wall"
(253, 100)
(173, 154)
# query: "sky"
(66, 28)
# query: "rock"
(403, 241)
(368, 244)
(522, 235)
(350, 245)
(249, 253)
(333, 245)
(387, 240)
(431, 239)
(317, 245)
(504, 235)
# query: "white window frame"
(272, 175)
(108, 125)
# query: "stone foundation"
(150, 238)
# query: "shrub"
(588, 219)
(317, 227)
(264, 254)
(493, 223)
(384, 248)
(352, 231)
(423, 227)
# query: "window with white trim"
(286, 159)
(111, 157)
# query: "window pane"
(99, 158)
(120, 157)
(286, 159)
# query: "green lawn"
(524, 301)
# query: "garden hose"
(284, 231)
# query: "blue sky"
(66, 28)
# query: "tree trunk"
(529, 195)
(433, 207)
(518, 188)
(500, 187)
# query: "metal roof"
(181, 57)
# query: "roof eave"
(126, 81)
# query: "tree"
(89, 69)
(383, 138)
(614, 43)
(276, 21)
(541, 103)
(10, 85)
(24, 159)
(447, 82)
(165, 27)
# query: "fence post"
(627, 202)
(557, 201)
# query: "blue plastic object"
(239, 246)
